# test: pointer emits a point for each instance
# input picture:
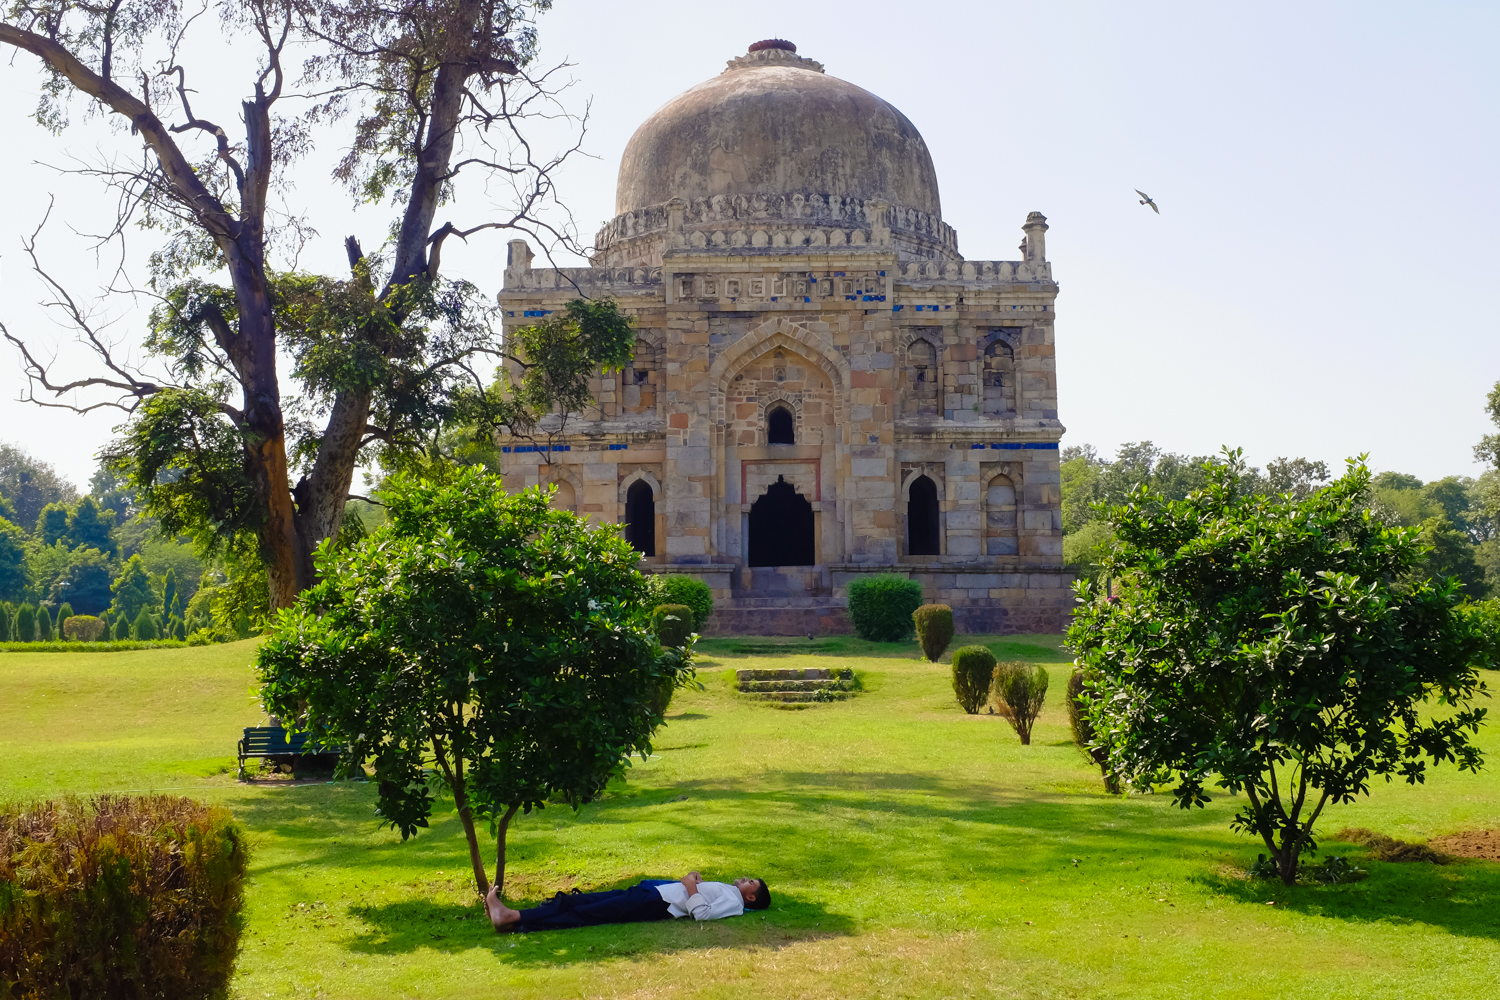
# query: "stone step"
(793, 674)
(758, 687)
(805, 696)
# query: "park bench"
(273, 743)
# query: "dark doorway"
(922, 519)
(640, 518)
(781, 528)
(779, 427)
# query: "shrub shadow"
(413, 924)
(1463, 898)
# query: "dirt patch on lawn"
(1470, 844)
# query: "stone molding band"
(803, 211)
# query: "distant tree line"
(1459, 516)
(66, 555)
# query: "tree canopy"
(480, 637)
(1276, 646)
(424, 97)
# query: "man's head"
(754, 893)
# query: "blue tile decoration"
(523, 448)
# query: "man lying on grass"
(649, 899)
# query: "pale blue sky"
(1317, 284)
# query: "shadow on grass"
(414, 924)
(1462, 898)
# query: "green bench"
(273, 743)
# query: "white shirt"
(712, 901)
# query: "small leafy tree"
(934, 623)
(1020, 689)
(43, 624)
(973, 667)
(1275, 646)
(122, 629)
(145, 627)
(480, 642)
(6, 612)
(63, 614)
(132, 589)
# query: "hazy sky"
(1314, 285)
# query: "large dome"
(774, 123)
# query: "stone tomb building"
(822, 386)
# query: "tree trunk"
(466, 818)
(500, 849)
(321, 497)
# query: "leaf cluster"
(480, 638)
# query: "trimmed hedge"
(973, 667)
(107, 646)
(934, 624)
(119, 896)
(673, 624)
(679, 588)
(881, 606)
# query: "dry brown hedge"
(119, 896)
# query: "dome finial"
(773, 43)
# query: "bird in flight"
(1146, 200)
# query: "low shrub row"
(119, 896)
(90, 647)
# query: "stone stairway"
(798, 686)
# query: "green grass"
(912, 851)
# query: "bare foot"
(502, 916)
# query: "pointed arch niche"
(778, 399)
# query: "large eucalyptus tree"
(419, 92)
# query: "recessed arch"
(1000, 516)
(781, 425)
(640, 518)
(766, 338)
(923, 518)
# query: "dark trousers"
(587, 909)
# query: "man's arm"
(690, 882)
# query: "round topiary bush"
(973, 668)
(934, 624)
(84, 628)
(673, 624)
(120, 896)
(678, 588)
(881, 606)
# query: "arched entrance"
(640, 518)
(922, 519)
(781, 528)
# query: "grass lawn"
(911, 850)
